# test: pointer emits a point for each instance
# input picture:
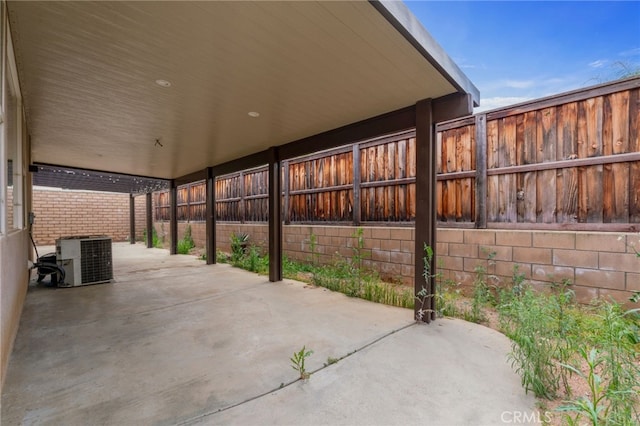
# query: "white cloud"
(498, 102)
(598, 64)
(630, 52)
(519, 84)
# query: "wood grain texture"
(567, 166)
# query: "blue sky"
(514, 51)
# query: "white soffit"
(88, 74)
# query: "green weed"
(423, 296)
(298, 361)
(239, 243)
(155, 240)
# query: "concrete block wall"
(389, 251)
(67, 213)
(598, 264)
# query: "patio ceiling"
(88, 74)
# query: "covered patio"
(193, 90)
(173, 92)
(174, 341)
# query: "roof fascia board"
(191, 177)
(405, 22)
(250, 161)
(391, 122)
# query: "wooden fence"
(565, 162)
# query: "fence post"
(357, 217)
(481, 171)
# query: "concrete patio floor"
(174, 341)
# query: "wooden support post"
(425, 225)
(357, 217)
(149, 211)
(173, 218)
(275, 218)
(210, 217)
(285, 184)
(132, 219)
(481, 171)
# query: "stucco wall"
(14, 280)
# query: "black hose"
(48, 268)
(34, 243)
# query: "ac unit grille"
(96, 260)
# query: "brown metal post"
(211, 217)
(132, 219)
(356, 185)
(275, 218)
(285, 184)
(149, 212)
(173, 218)
(242, 205)
(425, 227)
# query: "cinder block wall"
(67, 213)
(598, 264)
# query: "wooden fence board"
(507, 190)
(567, 178)
(546, 179)
(493, 162)
(594, 194)
(528, 180)
(616, 141)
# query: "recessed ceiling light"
(163, 83)
(254, 114)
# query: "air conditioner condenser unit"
(86, 260)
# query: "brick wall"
(67, 213)
(141, 216)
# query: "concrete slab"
(174, 341)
